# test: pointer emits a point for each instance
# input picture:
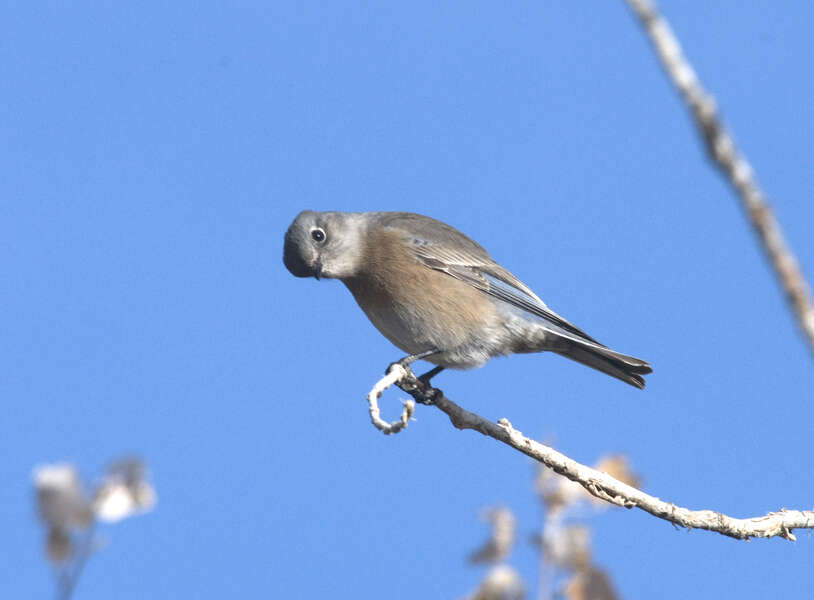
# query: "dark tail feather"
(621, 366)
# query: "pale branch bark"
(596, 483)
(373, 405)
(732, 163)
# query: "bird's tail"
(623, 367)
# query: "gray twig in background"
(732, 163)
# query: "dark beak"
(297, 261)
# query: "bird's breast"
(418, 308)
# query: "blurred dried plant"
(69, 511)
(565, 547)
(499, 545)
(124, 491)
(566, 565)
(502, 582)
(590, 583)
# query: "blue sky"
(154, 155)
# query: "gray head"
(324, 244)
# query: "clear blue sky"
(153, 155)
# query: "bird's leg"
(430, 374)
(410, 359)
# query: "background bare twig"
(732, 163)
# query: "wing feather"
(445, 249)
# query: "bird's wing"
(445, 249)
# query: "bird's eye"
(318, 235)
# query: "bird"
(438, 295)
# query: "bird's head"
(324, 244)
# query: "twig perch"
(597, 483)
(395, 373)
(732, 163)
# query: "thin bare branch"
(732, 163)
(392, 375)
(66, 582)
(597, 483)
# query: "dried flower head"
(63, 507)
(61, 501)
(124, 491)
(499, 544)
(501, 583)
(590, 583)
(618, 467)
(568, 547)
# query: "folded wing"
(443, 248)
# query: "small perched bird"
(438, 295)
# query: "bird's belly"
(403, 329)
(460, 322)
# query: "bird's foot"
(419, 387)
(427, 395)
